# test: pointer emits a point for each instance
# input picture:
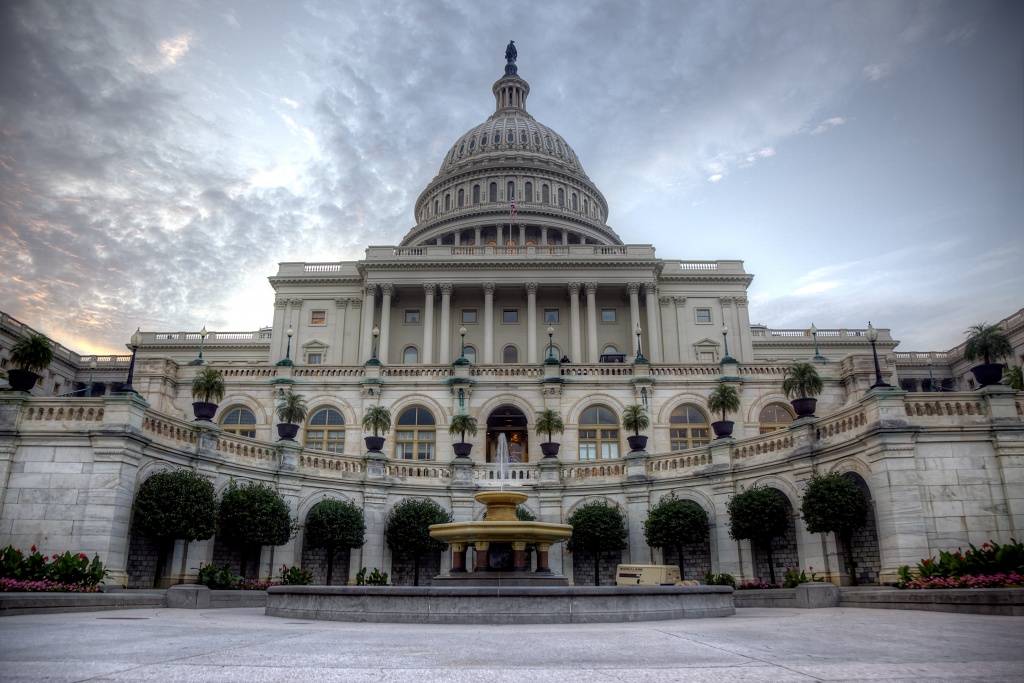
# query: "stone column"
(522, 235)
(519, 556)
(295, 321)
(428, 324)
(653, 329)
(574, 321)
(531, 322)
(366, 331)
(341, 311)
(633, 289)
(488, 323)
(746, 343)
(565, 238)
(684, 346)
(728, 558)
(544, 235)
(388, 291)
(666, 322)
(638, 501)
(276, 349)
(481, 556)
(446, 323)
(476, 236)
(591, 290)
(349, 353)
(373, 553)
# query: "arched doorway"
(511, 422)
(867, 561)
(784, 547)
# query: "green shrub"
(407, 529)
(596, 528)
(217, 578)
(835, 504)
(673, 523)
(295, 576)
(376, 578)
(524, 515)
(719, 579)
(335, 525)
(252, 516)
(758, 514)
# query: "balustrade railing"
(487, 474)
(597, 370)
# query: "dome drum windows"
(510, 192)
(240, 421)
(462, 198)
(545, 194)
(599, 434)
(476, 194)
(492, 192)
(688, 428)
(528, 192)
(561, 197)
(325, 431)
(415, 435)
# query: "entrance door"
(511, 422)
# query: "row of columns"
(503, 229)
(589, 289)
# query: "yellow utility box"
(646, 575)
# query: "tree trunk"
(847, 540)
(597, 569)
(679, 556)
(330, 565)
(416, 570)
(163, 550)
(771, 564)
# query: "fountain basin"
(501, 532)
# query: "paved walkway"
(777, 645)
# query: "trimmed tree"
(834, 503)
(171, 506)
(252, 516)
(758, 515)
(802, 381)
(408, 529)
(987, 342)
(673, 523)
(335, 525)
(596, 528)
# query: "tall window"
(471, 354)
(492, 192)
(599, 434)
(239, 421)
(462, 197)
(575, 202)
(476, 192)
(325, 431)
(436, 208)
(688, 428)
(414, 435)
(773, 417)
(545, 194)
(510, 191)
(410, 356)
(528, 192)
(561, 197)
(447, 202)
(510, 354)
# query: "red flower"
(928, 561)
(33, 549)
(984, 545)
(82, 556)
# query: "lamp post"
(725, 340)
(462, 352)
(92, 369)
(817, 356)
(551, 360)
(872, 335)
(639, 350)
(288, 352)
(202, 338)
(373, 359)
(136, 343)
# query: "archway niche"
(867, 561)
(784, 548)
(511, 422)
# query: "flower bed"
(1011, 580)
(67, 573)
(990, 566)
(44, 586)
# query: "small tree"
(524, 515)
(208, 385)
(335, 525)
(171, 506)
(33, 353)
(407, 529)
(635, 418)
(987, 342)
(463, 424)
(758, 514)
(291, 408)
(1015, 378)
(802, 381)
(725, 399)
(252, 516)
(673, 523)
(596, 528)
(377, 419)
(549, 422)
(834, 503)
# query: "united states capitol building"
(500, 313)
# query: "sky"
(159, 159)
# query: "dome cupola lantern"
(510, 91)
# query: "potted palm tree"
(30, 355)
(377, 420)
(549, 422)
(207, 389)
(291, 408)
(802, 384)
(635, 418)
(986, 343)
(724, 399)
(462, 424)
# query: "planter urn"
(204, 411)
(804, 407)
(722, 429)
(22, 380)
(287, 430)
(374, 443)
(985, 374)
(462, 449)
(550, 449)
(637, 443)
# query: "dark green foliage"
(217, 578)
(725, 399)
(296, 576)
(524, 515)
(462, 424)
(635, 418)
(171, 506)
(719, 579)
(292, 408)
(596, 528)
(987, 342)
(252, 516)
(69, 569)
(377, 420)
(802, 381)
(208, 385)
(1015, 378)
(335, 525)
(375, 578)
(834, 503)
(549, 422)
(33, 353)
(758, 514)
(673, 523)
(407, 529)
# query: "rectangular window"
(56, 388)
(318, 318)
(703, 316)
(607, 315)
(550, 315)
(469, 316)
(510, 316)
(412, 316)
(314, 359)
(706, 356)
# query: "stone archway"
(510, 421)
(866, 556)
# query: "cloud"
(173, 49)
(828, 123)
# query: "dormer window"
(483, 141)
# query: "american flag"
(512, 213)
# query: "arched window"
(325, 431)
(688, 428)
(447, 202)
(528, 192)
(561, 197)
(476, 194)
(410, 356)
(522, 137)
(599, 434)
(510, 191)
(545, 194)
(483, 141)
(610, 348)
(511, 136)
(586, 206)
(414, 435)
(575, 202)
(462, 197)
(510, 354)
(436, 207)
(773, 417)
(471, 354)
(492, 192)
(239, 421)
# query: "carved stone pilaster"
(341, 302)
(532, 287)
(356, 303)
(296, 302)
(387, 289)
(651, 288)
(429, 288)
(488, 288)
(679, 301)
(726, 301)
(280, 303)
(665, 301)
(590, 288)
(370, 290)
(446, 288)
(574, 289)
(740, 301)
(633, 288)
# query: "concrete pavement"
(244, 645)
